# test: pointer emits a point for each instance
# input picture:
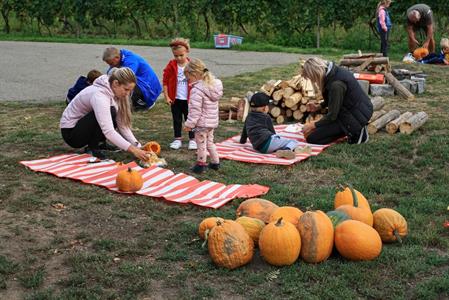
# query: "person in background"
(95, 113)
(148, 87)
(203, 113)
(177, 90)
(420, 19)
(82, 83)
(440, 58)
(259, 129)
(383, 25)
(349, 107)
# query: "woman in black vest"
(349, 107)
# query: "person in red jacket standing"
(177, 90)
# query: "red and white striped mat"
(158, 182)
(233, 150)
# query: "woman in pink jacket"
(203, 112)
(95, 113)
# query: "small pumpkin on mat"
(129, 180)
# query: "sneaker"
(214, 166)
(192, 145)
(364, 136)
(287, 154)
(95, 152)
(300, 150)
(176, 144)
(198, 169)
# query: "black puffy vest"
(357, 108)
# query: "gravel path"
(44, 71)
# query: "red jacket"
(170, 79)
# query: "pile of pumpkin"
(285, 233)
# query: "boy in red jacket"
(177, 90)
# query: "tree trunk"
(206, 20)
(318, 29)
(137, 26)
(5, 15)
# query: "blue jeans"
(280, 143)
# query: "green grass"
(108, 246)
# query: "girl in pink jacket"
(203, 112)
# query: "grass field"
(72, 254)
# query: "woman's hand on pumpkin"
(137, 152)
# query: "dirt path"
(44, 71)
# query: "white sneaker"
(192, 145)
(176, 144)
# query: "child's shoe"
(303, 150)
(214, 166)
(176, 144)
(198, 169)
(192, 145)
(287, 154)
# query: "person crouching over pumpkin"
(349, 107)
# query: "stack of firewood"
(393, 121)
(366, 63)
(290, 99)
(235, 109)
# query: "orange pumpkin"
(345, 196)
(420, 53)
(356, 212)
(229, 245)
(129, 180)
(252, 226)
(152, 147)
(317, 236)
(355, 240)
(256, 208)
(288, 213)
(280, 243)
(390, 225)
(206, 225)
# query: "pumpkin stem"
(279, 222)
(206, 236)
(355, 199)
(219, 222)
(129, 169)
(398, 237)
(340, 187)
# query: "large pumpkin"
(390, 225)
(229, 245)
(256, 208)
(420, 53)
(129, 180)
(252, 226)
(337, 217)
(280, 243)
(356, 212)
(206, 225)
(317, 236)
(287, 213)
(355, 240)
(345, 196)
(152, 147)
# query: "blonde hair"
(196, 66)
(444, 43)
(110, 52)
(123, 76)
(382, 2)
(179, 42)
(314, 69)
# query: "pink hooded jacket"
(99, 98)
(203, 105)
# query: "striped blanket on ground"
(158, 182)
(233, 150)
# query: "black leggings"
(179, 109)
(384, 43)
(87, 131)
(326, 134)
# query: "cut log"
(398, 87)
(228, 115)
(282, 104)
(280, 119)
(364, 55)
(295, 82)
(378, 102)
(275, 111)
(294, 107)
(365, 64)
(293, 99)
(277, 95)
(288, 113)
(303, 108)
(413, 123)
(235, 100)
(376, 115)
(242, 109)
(283, 85)
(393, 126)
(305, 100)
(227, 107)
(288, 91)
(382, 121)
(297, 115)
(358, 61)
(269, 87)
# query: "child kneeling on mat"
(260, 131)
